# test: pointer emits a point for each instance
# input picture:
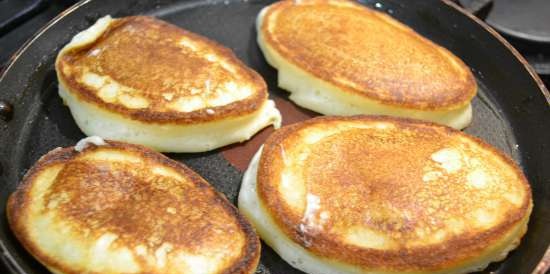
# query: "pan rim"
(15, 267)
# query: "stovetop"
(17, 33)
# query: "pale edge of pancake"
(320, 96)
(297, 256)
(93, 120)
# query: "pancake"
(111, 207)
(340, 58)
(141, 80)
(384, 195)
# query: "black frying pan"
(511, 110)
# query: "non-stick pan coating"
(511, 110)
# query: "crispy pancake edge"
(465, 98)
(235, 109)
(430, 257)
(17, 206)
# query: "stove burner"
(527, 20)
(525, 24)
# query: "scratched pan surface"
(511, 111)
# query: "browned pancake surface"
(395, 194)
(148, 205)
(160, 64)
(367, 53)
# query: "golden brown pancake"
(338, 57)
(142, 80)
(384, 195)
(121, 208)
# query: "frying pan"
(511, 110)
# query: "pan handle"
(6, 110)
